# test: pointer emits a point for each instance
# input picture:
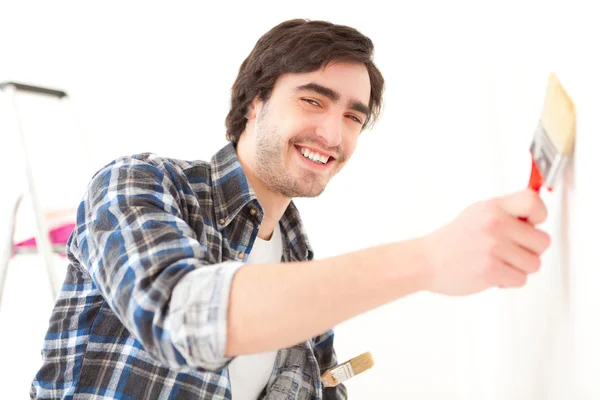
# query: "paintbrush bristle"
(362, 363)
(558, 116)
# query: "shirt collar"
(232, 192)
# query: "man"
(160, 300)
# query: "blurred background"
(465, 82)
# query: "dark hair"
(298, 46)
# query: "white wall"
(465, 84)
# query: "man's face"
(318, 114)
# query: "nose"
(330, 129)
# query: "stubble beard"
(272, 170)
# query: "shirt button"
(221, 221)
(253, 211)
(240, 255)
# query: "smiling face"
(307, 130)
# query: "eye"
(355, 119)
(312, 102)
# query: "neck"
(273, 204)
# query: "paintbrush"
(554, 137)
(553, 140)
(359, 364)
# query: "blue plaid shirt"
(142, 313)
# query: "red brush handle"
(536, 180)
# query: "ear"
(253, 108)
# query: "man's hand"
(488, 245)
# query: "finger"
(527, 204)
(517, 257)
(504, 275)
(526, 235)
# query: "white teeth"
(314, 156)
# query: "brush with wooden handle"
(552, 143)
(357, 365)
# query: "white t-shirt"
(250, 373)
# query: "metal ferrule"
(342, 373)
(548, 159)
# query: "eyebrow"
(334, 96)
